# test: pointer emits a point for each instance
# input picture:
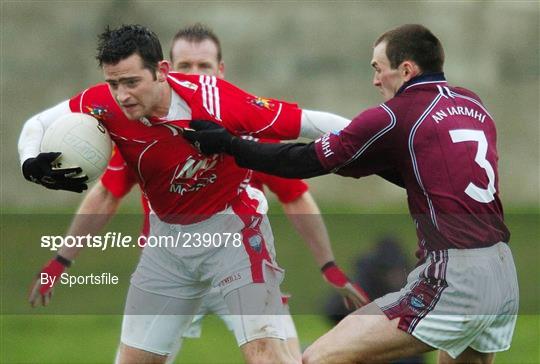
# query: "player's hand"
(353, 295)
(40, 170)
(42, 292)
(208, 137)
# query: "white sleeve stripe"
(81, 102)
(216, 98)
(271, 123)
(116, 169)
(205, 104)
(413, 157)
(374, 138)
(210, 95)
(455, 94)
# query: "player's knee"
(130, 355)
(318, 354)
(267, 351)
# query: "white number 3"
(484, 195)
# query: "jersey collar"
(422, 79)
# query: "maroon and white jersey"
(439, 142)
(182, 185)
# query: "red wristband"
(334, 274)
(53, 269)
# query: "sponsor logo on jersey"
(193, 174)
(262, 103)
(97, 112)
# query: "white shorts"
(256, 313)
(183, 271)
(182, 265)
(459, 298)
(213, 303)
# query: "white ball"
(83, 142)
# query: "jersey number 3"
(483, 195)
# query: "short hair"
(126, 40)
(197, 33)
(416, 43)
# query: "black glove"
(209, 137)
(39, 170)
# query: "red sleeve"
(243, 113)
(287, 190)
(118, 178)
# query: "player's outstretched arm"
(96, 210)
(306, 218)
(289, 160)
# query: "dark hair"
(416, 43)
(126, 40)
(197, 33)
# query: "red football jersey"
(182, 185)
(119, 180)
(286, 189)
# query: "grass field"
(83, 323)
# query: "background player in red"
(439, 143)
(105, 197)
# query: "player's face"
(386, 79)
(195, 58)
(137, 90)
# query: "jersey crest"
(262, 103)
(97, 112)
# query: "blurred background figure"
(381, 270)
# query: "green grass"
(83, 323)
(93, 339)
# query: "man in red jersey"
(196, 50)
(439, 143)
(145, 108)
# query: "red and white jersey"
(119, 179)
(286, 189)
(182, 185)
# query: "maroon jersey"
(182, 185)
(439, 142)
